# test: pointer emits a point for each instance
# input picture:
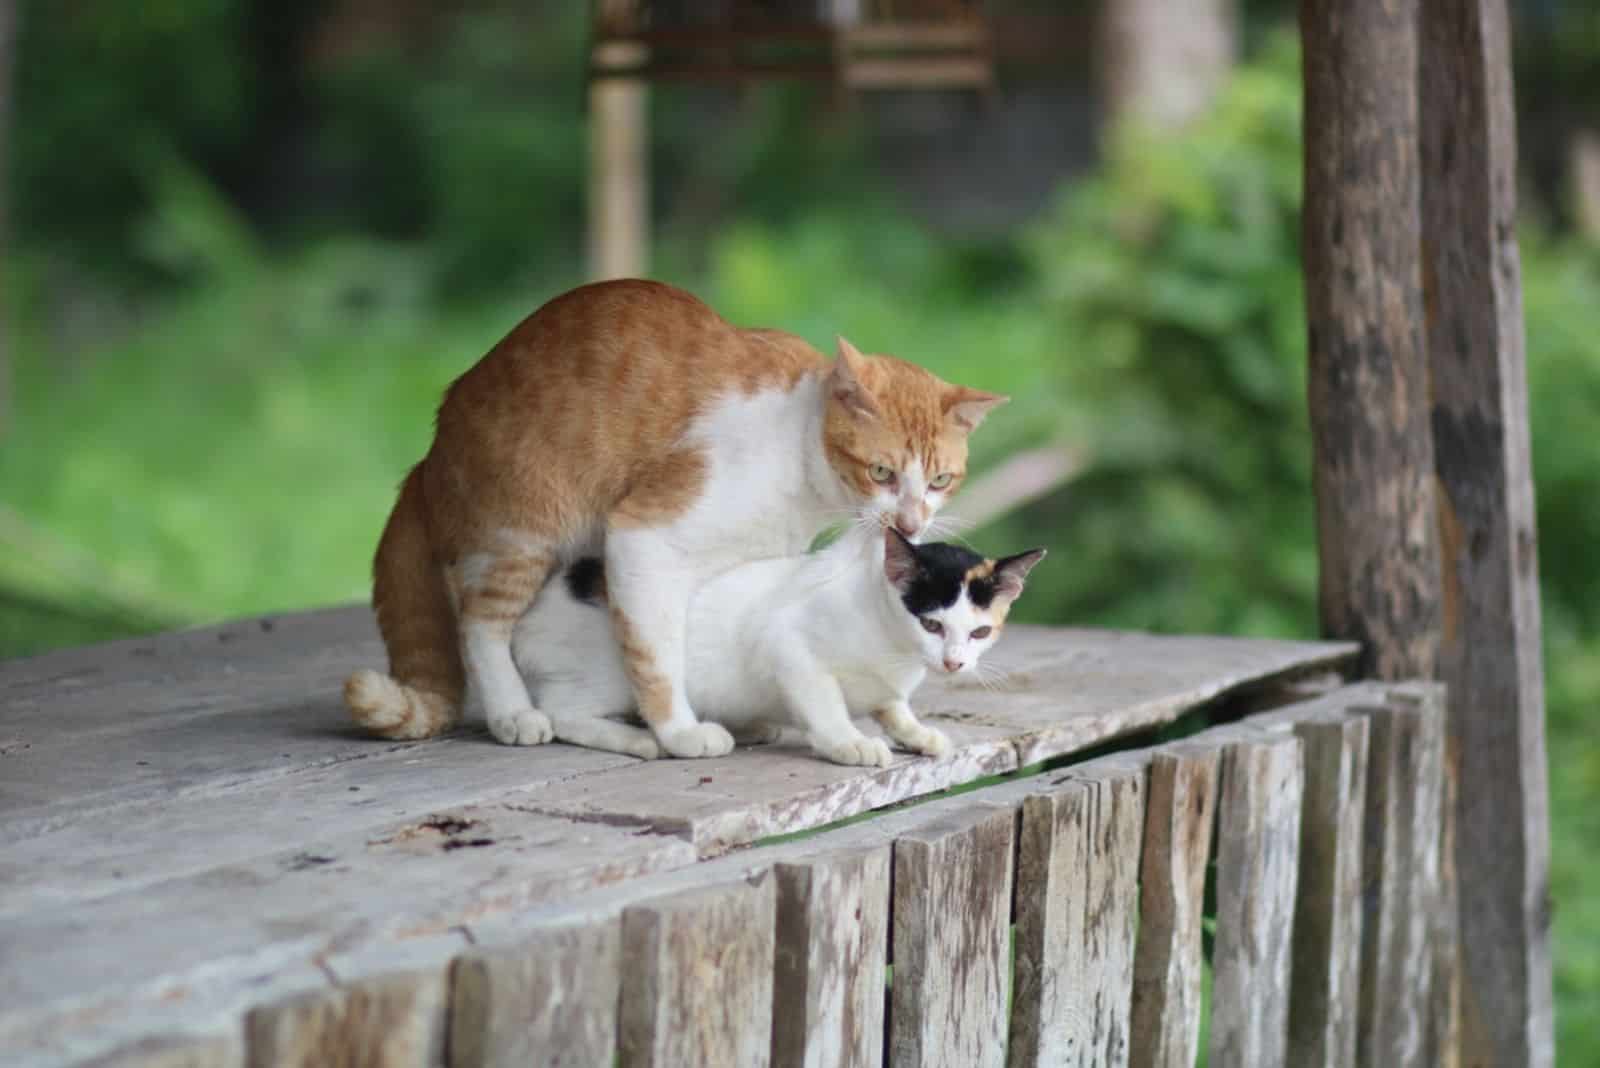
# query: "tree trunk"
(1162, 62)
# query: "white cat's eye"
(932, 626)
(982, 632)
(880, 473)
(940, 481)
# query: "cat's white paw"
(700, 740)
(863, 752)
(929, 741)
(521, 726)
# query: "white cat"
(801, 640)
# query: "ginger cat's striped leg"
(493, 589)
(649, 592)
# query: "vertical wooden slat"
(1368, 374)
(951, 920)
(832, 942)
(1077, 910)
(1490, 657)
(388, 1021)
(549, 1000)
(697, 977)
(1258, 839)
(1325, 993)
(1401, 873)
(1179, 816)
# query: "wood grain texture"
(697, 980)
(1077, 910)
(173, 1052)
(1325, 996)
(832, 945)
(951, 922)
(1179, 815)
(550, 1000)
(1490, 656)
(395, 1021)
(1258, 840)
(1368, 381)
(1401, 874)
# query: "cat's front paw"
(521, 726)
(929, 741)
(859, 752)
(699, 740)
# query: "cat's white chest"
(760, 497)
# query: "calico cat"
(628, 420)
(805, 640)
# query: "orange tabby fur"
(575, 422)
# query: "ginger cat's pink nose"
(908, 527)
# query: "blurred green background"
(250, 243)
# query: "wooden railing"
(1056, 919)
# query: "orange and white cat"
(629, 419)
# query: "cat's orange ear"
(966, 407)
(845, 386)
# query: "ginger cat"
(628, 420)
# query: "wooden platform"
(189, 825)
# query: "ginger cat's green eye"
(940, 481)
(880, 473)
(982, 632)
(932, 626)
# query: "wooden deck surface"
(189, 824)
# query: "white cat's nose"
(952, 666)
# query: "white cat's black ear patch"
(1011, 572)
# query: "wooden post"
(1490, 659)
(1373, 470)
(619, 170)
(1163, 61)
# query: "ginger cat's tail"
(421, 695)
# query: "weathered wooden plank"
(1325, 996)
(1077, 910)
(173, 1052)
(697, 988)
(1401, 872)
(1179, 816)
(832, 944)
(951, 921)
(1490, 657)
(549, 1000)
(416, 879)
(1258, 839)
(1368, 381)
(1065, 690)
(390, 1022)
(158, 841)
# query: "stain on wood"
(951, 922)
(173, 1052)
(697, 983)
(832, 945)
(1179, 816)
(549, 1000)
(1258, 847)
